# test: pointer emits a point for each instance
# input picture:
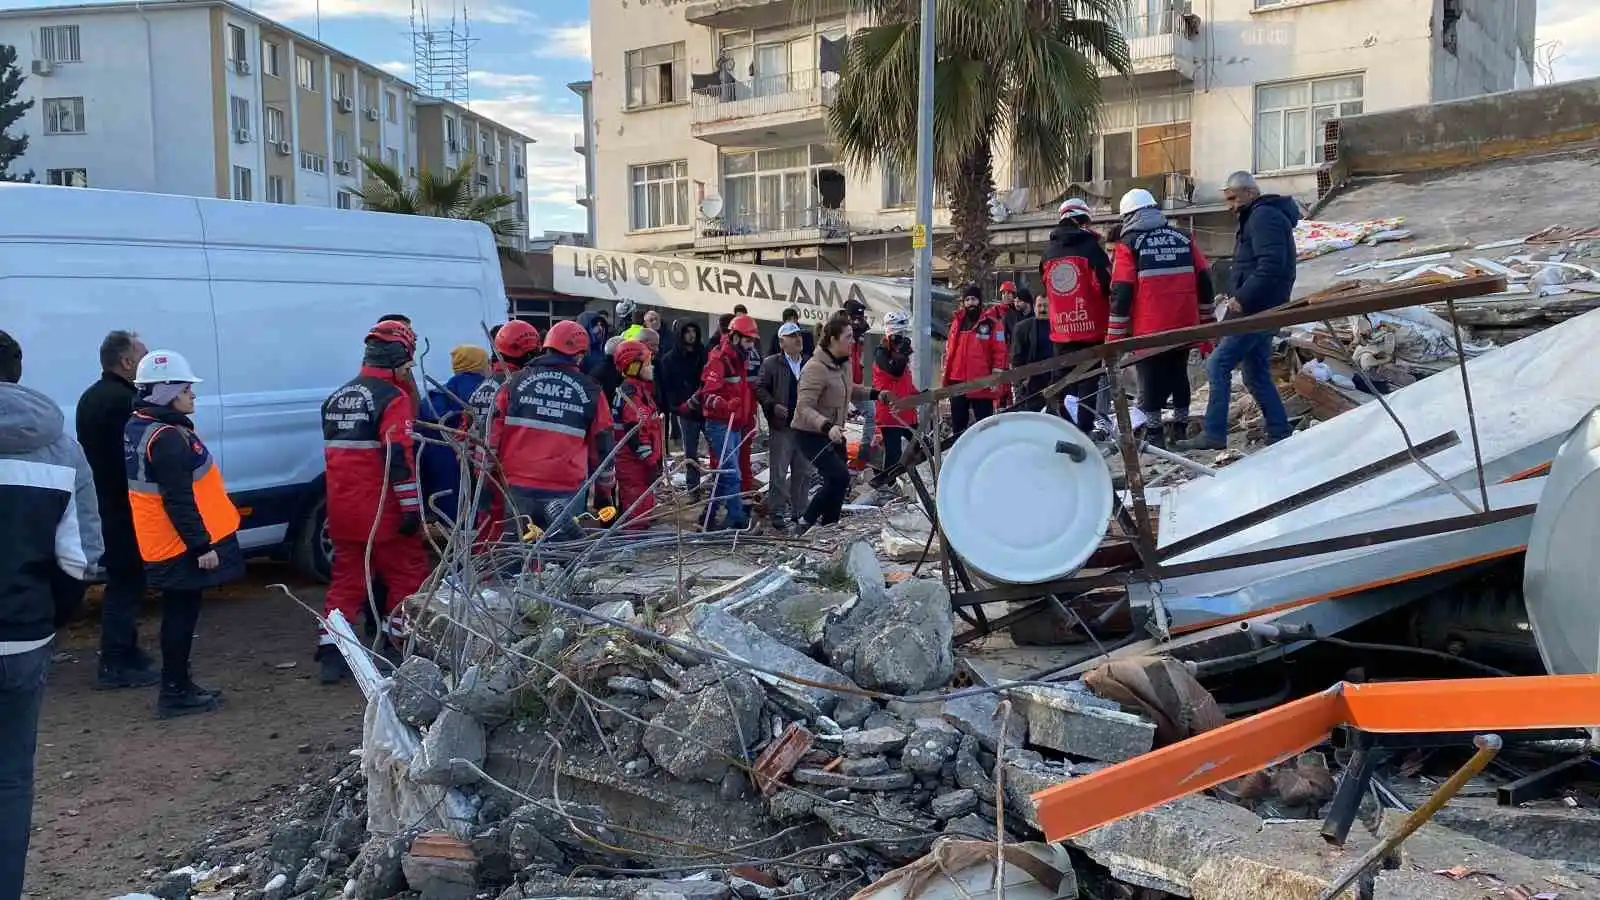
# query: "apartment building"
(708, 129)
(207, 98)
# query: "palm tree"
(1021, 72)
(445, 197)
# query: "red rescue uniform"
(552, 427)
(366, 433)
(890, 388)
(639, 459)
(726, 392)
(976, 349)
(1160, 281)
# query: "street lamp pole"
(922, 232)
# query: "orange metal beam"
(1250, 744)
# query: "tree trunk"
(971, 254)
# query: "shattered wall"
(1481, 46)
(1463, 132)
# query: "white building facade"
(209, 99)
(709, 135)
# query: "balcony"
(1162, 48)
(579, 145)
(771, 227)
(757, 13)
(790, 107)
(581, 195)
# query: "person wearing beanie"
(467, 358)
(437, 466)
(976, 349)
(373, 495)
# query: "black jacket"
(103, 413)
(1264, 259)
(776, 384)
(1030, 343)
(679, 372)
(1067, 239)
(169, 468)
(609, 376)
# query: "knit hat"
(468, 358)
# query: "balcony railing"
(1157, 38)
(765, 95)
(774, 221)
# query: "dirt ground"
(120, 794)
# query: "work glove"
(410, 524)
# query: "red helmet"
(1008, 286)
(516, 339)
(393, 332)
(745, 326)
(631, 357)
(567, 337)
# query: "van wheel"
(313, 549)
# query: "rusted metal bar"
(1271, 320)
(1466, 391)
(1132, 468)
(1308, 496)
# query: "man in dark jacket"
(1030, 343)
(103, 413)
(1262, 277)
(678, 378)
(777, 390)
(49, 541)
(808, 343)
(599, 329)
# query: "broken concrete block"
(970, 773)
(797, 620)
(978, 715)
(486, 695)
(1163, 848)
(687, 889)
(720, 720)
(440, 867)
(953, 804)
(453, 736)
(856, 566)
(418, 691)
(720, 631)
(1548, 833)
(790, 806)
(1025, 778)
(905, 537)
(905, 646)
(866, 765)
(891, 781)
(897, 835)
(873, 742)
(971, 827)
(852, 710)
(780, 758)
(1061, 721)
(928, 749)
(621, 610)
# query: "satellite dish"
(711, 207)
(1562, 569)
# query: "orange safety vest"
(158, 540)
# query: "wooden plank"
(1357, 303)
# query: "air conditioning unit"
(43, 68)
(242, 66)
(284, 148)
(347, 104)
(343, 168)
(372, 114)
(242, 136)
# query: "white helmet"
(1137, 199)
(625, 309)
(896, 323)
(1074, 206)
(162, 367)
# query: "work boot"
(331, 667)
(137, 671)
(186, 700)
(1154, 436)
(1177, 432)
(1203, 441)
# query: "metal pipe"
(1178, 458)
(922, 233)
(1466, 391)
(1488, 745)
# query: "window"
(411, 124)
(341, 85)
(236, 44)
(1290, 119)
(450, 134)
(901, 190)
(63, 115)
(271, 59)
(313, 162)
(368, 151)
(241, 183)
(661, 195)
(68, 177)
(59, 44)
(657, 75)
(239, 114)
(343, 200)
(391, 156)
(275, 193)
(341, 147)
(766, 62)
(391, 107)
(1138, 140)
(770, 190)
(305, 69)
(276, 130)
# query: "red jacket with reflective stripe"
(366, 429)
(635, 403)
(976, 350)
(552, 427)
(1160, 281)
(892, 387)
(726, 391)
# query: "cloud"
(396, 67)
(491, 13)
(567, 42)
(554, 169)
(1573, 27)
(499, 81)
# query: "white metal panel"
(1562, 574)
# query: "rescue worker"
(728, 402)
(186, 527)
(438, 467)
(976, 348)
(1077, 284)
(516, 343)
(1013, 306)
(1160, 281)
(891, 378)
(551, 431)
(639, 459)
(373, 495)
(628, 323)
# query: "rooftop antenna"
(440, 52)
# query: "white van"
(268, 302)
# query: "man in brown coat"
(777, 389)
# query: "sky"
(527, 51)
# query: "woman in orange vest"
(184, 522)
